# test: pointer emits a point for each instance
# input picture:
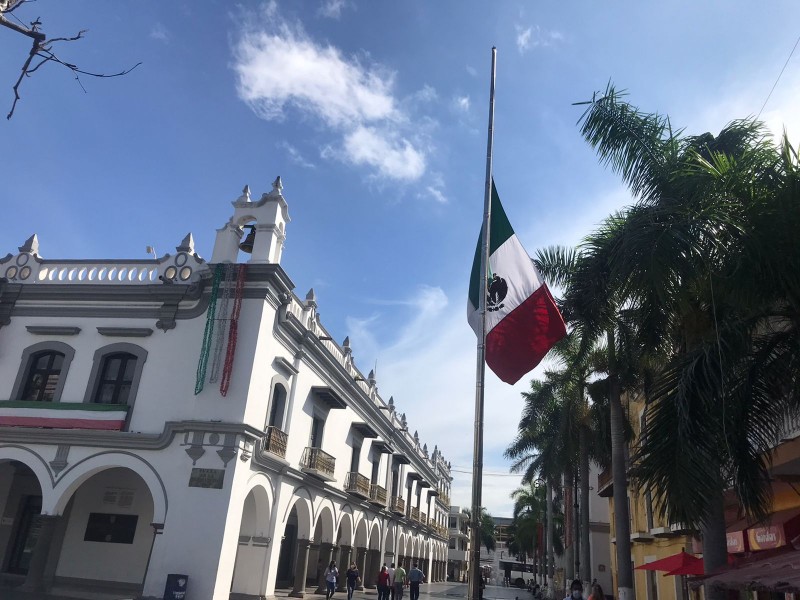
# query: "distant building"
(180, 417)
(458, 545)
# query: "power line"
(469, 472)
(779, 78)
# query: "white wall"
(107, 561)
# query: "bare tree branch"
(43, 48)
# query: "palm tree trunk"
(622, 527)
(548, 571)
(715, 547)
(569, 545)
(585, 549)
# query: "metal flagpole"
(477, 461)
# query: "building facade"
(458, 556)
(181, 417)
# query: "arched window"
(116, 378)
(277, 406)
(43, 375)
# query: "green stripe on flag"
(500, 231)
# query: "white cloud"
(280, 68)
(295, 156)
(462, 103)
(429, 368)
(332, 9)
(392, 156)
(436, 194)
(159, 32)
(535, 37)
(472, 70)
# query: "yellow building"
(651, 538)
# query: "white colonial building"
(177, 416)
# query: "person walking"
(399, 582)
(597, 592)
(383, 584)
(331, 575)
(576, 590)
(415, 577)
(391, 581)
(353, 577)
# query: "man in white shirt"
(391, 581)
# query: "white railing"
(144, 272)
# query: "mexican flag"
(522, 321)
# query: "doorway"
(26, 536)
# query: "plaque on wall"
(112, 529)
(207, 478)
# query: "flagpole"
(477, 461)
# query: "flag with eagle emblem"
(522, 320)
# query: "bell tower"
(265, 223)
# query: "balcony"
(398, 506)
(63, 415)
(357, 484)
(423, 518)
(274, 442)
(641, 536)
(377, 495)
(415, 514)
(662, 532)
(318, 463)
(443, 498)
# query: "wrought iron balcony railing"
(274, 442)
(377, 495)
(398, 505)
(356, 483)
(415, 514)
(317, 462)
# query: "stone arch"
(344, 535)
(35, 463)
(253, 548)
(375, 537)
(388, 544)
(72, 478)
(302, 509)
(361, 538)
(325, 527)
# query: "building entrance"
(24, 541)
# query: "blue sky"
(374, 114)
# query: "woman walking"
(383, 584)
(331, 575)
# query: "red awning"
(775, 531)
(776, 571)
(681, 560)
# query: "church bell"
(247, 244)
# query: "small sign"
(207, 478)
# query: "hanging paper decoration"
(233, 331)
(222, 317)
(209, 332)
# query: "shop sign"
(735, 542)
(207, 478)
(766, 538)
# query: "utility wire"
(779, 78)
(455, 470)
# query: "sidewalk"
(427, 591)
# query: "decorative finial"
(187, 244)
(391, 404)
(416, 437)
(245, 197)
(311, 298)
(371, 377)
(31, 245)
(425, 450)
(403, 421)
(277, 186)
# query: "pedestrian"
(331, 575)
(415, 577)
(481, 587)
(597, 592)
(391, 581)
(383, 584)
(353, 579)
(576, 590)
(399, 582)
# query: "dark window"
(116, 377)
(276, 410)
(376, 463)
(113, 529)
(316, 432)
(355, 458)
(42, 377)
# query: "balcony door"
(317, 427)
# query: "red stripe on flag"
(58, 423)
(520, 341)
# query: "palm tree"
(707, 262)
(487, 528)
(591, 307)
